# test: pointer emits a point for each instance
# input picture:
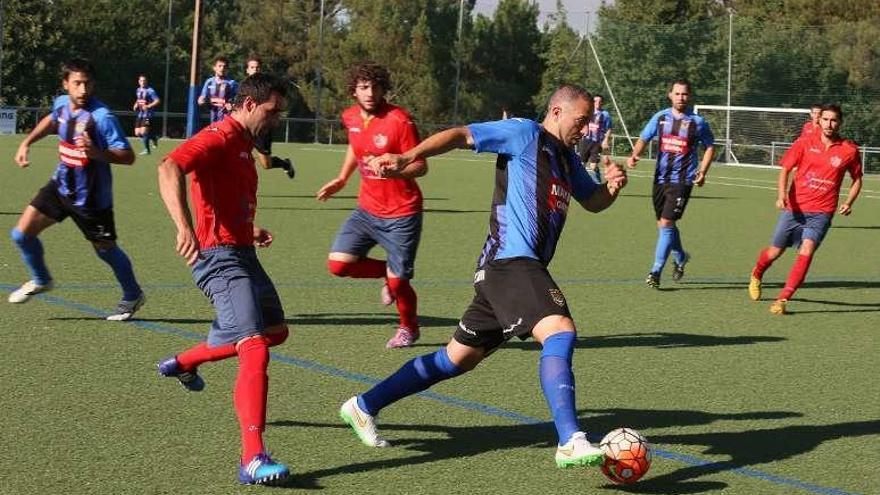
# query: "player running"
(263, 143)
(389, 211)
(537, 174)
(679, 130)
(219, 91)
(819, 162)
(89, 140)
(146, 99)
(220, 250)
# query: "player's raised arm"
(172, 187)
(436, 144)
(605, 195)
(45, 127)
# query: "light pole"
(167, 89)
(192, 109)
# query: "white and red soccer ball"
(627, 455)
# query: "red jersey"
(809, 129)
(390, 130)
(819, 175)
(223, 184)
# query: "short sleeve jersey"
(223, 183)
(598, 126)
(86, 182)
(809, 129)
(144, 97)
(219, 92)
(535, 177)
(819, 172)
(678, 137)
(390, 130)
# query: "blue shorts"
(240, 291)
(792, 228)
(399, 237)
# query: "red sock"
(191, 358)
(762, 264)
(364, 268)
(796, 276)
(407, 301)
(251, 392)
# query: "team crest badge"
(80, 127)
(557, 297)
(380, 140)
(835, 161)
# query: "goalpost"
(753, 136)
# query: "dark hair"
(816, 105)
(369, 71)
(254, 58)
(77, 65)
(569, 92)
(221, 59)
(832, 107)
(143, 75)
(260, 87)
(681, 82)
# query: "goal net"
(753, 135)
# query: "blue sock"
(677, 248)
(416, 375)
(664, 246)
(557, 382)
(32, 254)
(146, 139)
(121, 265)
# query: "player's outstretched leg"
(31, 250)
(795, 278)
(765, 259)
(189, 379)
(413, 377)
(132, 296)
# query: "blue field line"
(447, 400)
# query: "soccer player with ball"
(819, 162)
(537, 175)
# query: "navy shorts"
(670, 200)
(97, 225)
(792, 228)
(399, 237)
(240, 291)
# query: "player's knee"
(338, 268)
(103, 246)
(277, 335)
(399, 285)
(560, 344)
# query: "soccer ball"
(627, 455)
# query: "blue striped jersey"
(677, 160)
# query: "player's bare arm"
(633, 159)
(172, 187)
(782, 189)
(846, 207)
(605, 195)
(349, 165)
(437, 144)
(45, 127)
(418, 168)
(703, 171)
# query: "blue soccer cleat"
(262, 470)
(189, 379)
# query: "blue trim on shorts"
(399, 237)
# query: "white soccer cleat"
(126, 309)
(362, 423)
(578, 452)
(30, 288)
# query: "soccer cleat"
(403, 338)
(262, 470)
(145, 152)
(190, 380)
(155, 140)
(284, 163)
(363, 424)
(126, 309)
(678, 270)
(754, 288)
(387, 297)
(28, 289)
(653, 280)
(778, 307)
(578, 452)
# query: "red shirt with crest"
(819, 172)
(389, 130)
(223, 185)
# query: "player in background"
(389, 211)
(811, 126)
(146, 99)
(220, 250)
(263, 143)
(597, 136)
(218, 91)
(679, 131)
(90, 138)
(819, 162)
(537, 174)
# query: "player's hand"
(781, 203)
(387, 164)
(85, 144)
(844, 209)
(201, 100)
(188, 246)
(329, 189)
(615, 176)
(21, 156)
(262, 237)
(632, 161)
(700, 178)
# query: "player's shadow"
(366, 319)
(442, 210)
(10, 213)
(848, 307)
(657, 340)
(457, 442)
(866, 227)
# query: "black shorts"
(589, 151)
(263, 143)
(96, 225)
(511, 297)
(670, 200)
(139, 122)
